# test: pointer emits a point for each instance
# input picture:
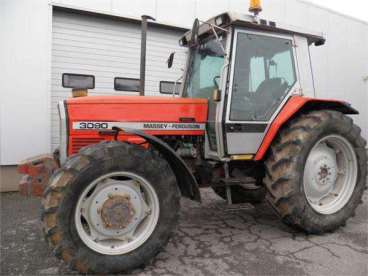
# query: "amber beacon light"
(255, 7)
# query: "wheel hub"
(321, 171)
(323, 174)
(330, 174)
(115, 209)
(117, 212)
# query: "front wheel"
(316, 171)
(108, 209)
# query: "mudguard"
(294, 106)
(187, 183)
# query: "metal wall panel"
(108, 48)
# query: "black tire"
(242, 195)
(285, 167)
(67, 184)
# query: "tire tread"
(284, 171)
(110, 152)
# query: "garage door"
(108, 48)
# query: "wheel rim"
(117, 213)
(330, 174)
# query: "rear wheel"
(108, 210)
(316, 171)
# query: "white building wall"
(339, 66)
(25, 49)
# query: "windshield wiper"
(215, 33)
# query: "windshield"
(205, 69)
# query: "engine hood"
(134, 100)
(137, 109)
(87, 116)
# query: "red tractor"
(245, 123)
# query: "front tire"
(316, 171)
(108, 210)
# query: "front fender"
(187, 183)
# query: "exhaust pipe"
(143, 52)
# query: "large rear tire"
(316, 171)
(111, 208)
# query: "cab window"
(264, 73)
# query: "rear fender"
(295, 106)
(186, 181)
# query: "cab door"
(263, 76)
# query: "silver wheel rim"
(330, 174)
(117, 213)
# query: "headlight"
(78, 81)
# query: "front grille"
(78, 143)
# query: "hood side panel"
(154, 115)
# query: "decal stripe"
(88, 125)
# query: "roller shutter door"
(107, 48)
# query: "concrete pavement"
(211, 240)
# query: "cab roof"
(252, 23)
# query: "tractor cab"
(247, 68)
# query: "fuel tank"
(88, 117)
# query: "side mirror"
(127, 84)
(170, 60)
(216, 95)
(78, 81)
(168, 87)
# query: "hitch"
(37, 172)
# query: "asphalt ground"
(212, 239)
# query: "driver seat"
(267, 92)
